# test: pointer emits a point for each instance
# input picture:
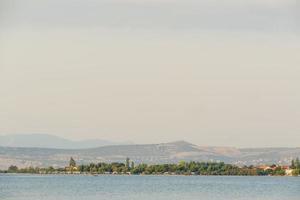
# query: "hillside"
(148, 153)
(50, 141)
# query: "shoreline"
(183, 168)
(128, 175)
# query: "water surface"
(68, 187)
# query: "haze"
(209, 72)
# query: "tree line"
(296, 167)
(181, 168)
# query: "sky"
(214, 73)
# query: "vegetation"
(182, 168)
(296, 167)
(72, 162)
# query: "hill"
(148, 153)
(50, 141)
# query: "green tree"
(12, 169)
(296, 172)
(127, 163)
(293, 166)
(297, 163)
(72, 162)
(279, 171)
(132, 165)
(81, 168)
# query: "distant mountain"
(145, 153)
(50, 141)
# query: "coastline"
(182, 168)
(128, 175)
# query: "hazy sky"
(207, 71)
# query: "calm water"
(36, 187)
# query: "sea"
(121, 187)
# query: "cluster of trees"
(296, 167)
(33, 170)
(182, 168)
(274, 170)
